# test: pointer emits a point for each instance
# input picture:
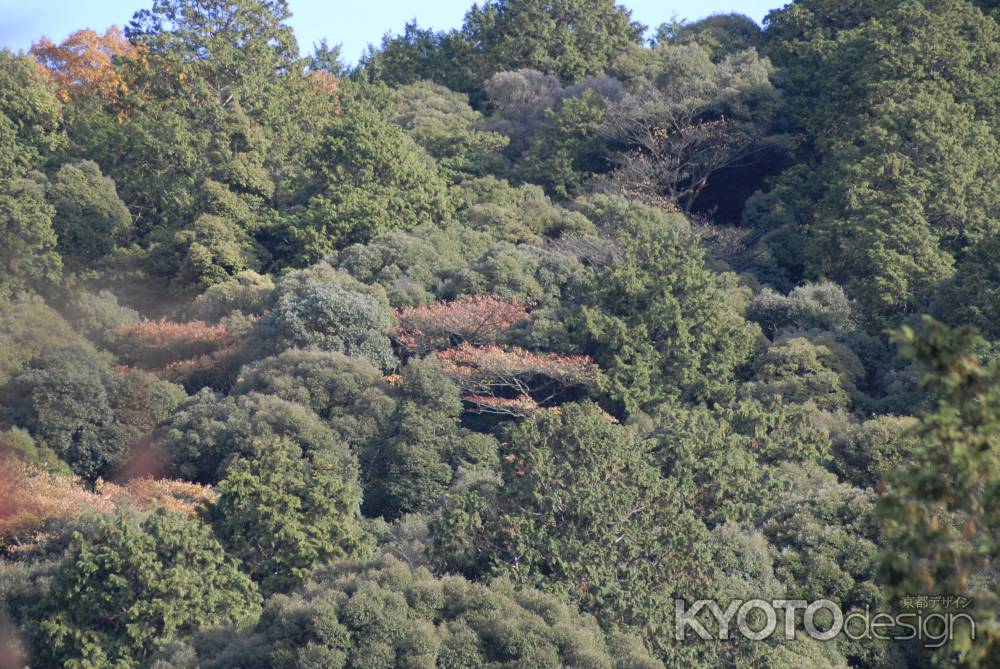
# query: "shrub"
(330, 311)
(384, 613)
(124, 593)
(208, 431)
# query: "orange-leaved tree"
(33, 502)
(512, 380)
(477, 320)
(178, 351)
(84, 63)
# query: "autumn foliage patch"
(33, 502)
(477, 320)
(83, 63)
(178, 351)
(465, 336)
(496, 379)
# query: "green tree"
(726, 462)
(246, 293)
(407, 435)
(349, 394)
(280, 512)
(30, 120)
(894, 218)
(63, 398)
(723, 34)
(213, 122)
(422, 54)
(28, 327)
(972, 295)
(126, 591)
(90, 219)
(413, 462)
(370, 177)
(329, 310)
(211, 250)
(657, 320)
(19, 444)
(812, 306)
(206, 433)
(141, 402)
(572, 40)
(940, 511)
(807, 369)
(443, 124)
(583, 512)
(894, 104)
(98, 315)
(27, 239)
(826, 540)
(864, 452)
(30, 116)
(570, 149)
(812, 41)
(235, 48)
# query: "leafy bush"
(208, 431)
(387, 614)
(280, 513)
(330, 312)
(125, 592)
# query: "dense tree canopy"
(125, 592)
(581, 511)
(357, 614)
(371, 177)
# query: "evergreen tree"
(370, 178)
(582, 512)
(129, 589)
(280, 513)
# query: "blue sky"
(354, 23)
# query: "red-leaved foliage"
(495, 379)
(478, 320)
(221, 363)
(522, 405)
(324, 81)
(83, 63)
(179, 351)
(147, 494)
(171, 335)
(33, 502)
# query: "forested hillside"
(486, 351)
